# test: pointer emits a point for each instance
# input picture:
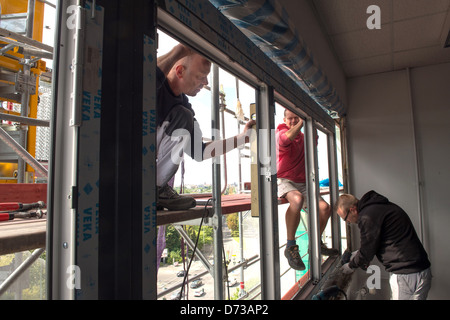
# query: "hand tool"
(5, 216)
(17, 206)
(330, 292)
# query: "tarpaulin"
(266, 23)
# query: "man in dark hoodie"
(387, 232)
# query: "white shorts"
(286, 185)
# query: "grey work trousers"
(173, 139)
(413, 286)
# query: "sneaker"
(327, 251)
(293, 256)
(170, 199)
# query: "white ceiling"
(412, 34)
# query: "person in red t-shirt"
(292, 184)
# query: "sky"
(48, 34)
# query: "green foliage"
(235, 294)
(175, 256)
(32, 282)
(233, 224)
(173, 240)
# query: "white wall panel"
(431, 99)
(381, 132)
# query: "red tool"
(6, 216)
(17, 206)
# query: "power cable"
(226, 271)
(195, 247)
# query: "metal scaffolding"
(20, 80)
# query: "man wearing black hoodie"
(387, 232)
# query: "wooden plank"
(21, 235)
(235, 203)
(239, 202)
(167, 217)
(23, 192)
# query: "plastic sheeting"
(266, 23)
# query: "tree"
(233, 224)
(173, 240)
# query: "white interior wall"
(382, 151)
(431, 100)
(311, 32)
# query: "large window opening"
(303, 240)
(289, 276)
(25, 109)
(324, 187)
(240, 230)
(340, 150)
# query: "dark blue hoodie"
(388, 233)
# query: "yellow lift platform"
(21, 66)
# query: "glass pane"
(341, 186)
(240, 229)
(291, 280)
(323, 165)
(31, 284)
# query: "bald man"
(182, 73)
